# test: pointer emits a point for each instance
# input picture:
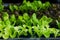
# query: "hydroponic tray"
(30, 21)
(33, 39)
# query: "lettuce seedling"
(6, 32)
(24, 1)
(15, 7)
(34, 19)
(12, 19)
(26, 16)
(1, 7)
(11, 8)
(5, 18)
(23, 30)
(44, 26)
(13, 32)
(0, 1)
(45, 21)
(58, 23)
(25, 7)
(2, 25)
(34, 5)
(30, 30)
(55, 31)
(20, 20)
(47, 5)
(37, 30)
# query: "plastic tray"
(33, 39)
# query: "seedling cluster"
(18, 20)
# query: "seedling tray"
(28, 37)
(33, 39)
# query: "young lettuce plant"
(1, 7)
(47, 5)
(13, 32)
(0, 1)
(42, 23)
(27, 19)
(29, 6)
(34, 19)
(21, 30)
(6, 21)
(12, 19)
(6, 32)
(18, 29)
(2, 25)
(58, 23)
(44, 26)
(11, 7)
(15, 7)
(25, 7)
(34, 6)
(55, 32)
(9, 31)
(26, 16)
(24, 1)
(44, 6)
(20, 20)
(37, 31)
(28, 23)
(5, 18)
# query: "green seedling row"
(12, 26)
(25, 24)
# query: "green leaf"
(45, 21)
(20, 31)
(30, 30)
(58, 23)
(13, 33)
(12, 19)
(7, 22)
(34, 6)
(1, 35)
(15, 7)
(55, 31)
(6, 33)
(20, 18)
(34, 19)
(1, 7)
(47, 5)
(46, 33)
(5, 16)
(36, 30)
(26, 16)
(24, 1)
(2, 25)
(0, 1)
(11, 7)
